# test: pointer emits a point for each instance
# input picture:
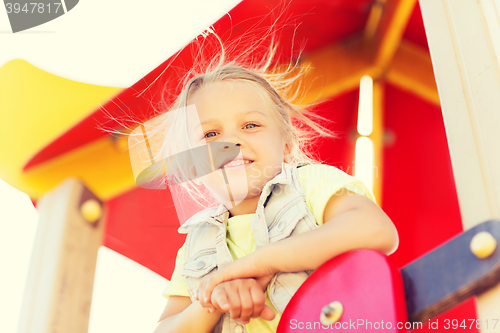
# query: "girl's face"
(237, 113)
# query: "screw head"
(91, 210)
(483, 244)
(331, 313)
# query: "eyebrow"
(244, 113)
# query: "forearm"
(193, 319)
(353, 229)
(351, 223)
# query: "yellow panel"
(36, 107)
(101, 165)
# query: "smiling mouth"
(236, 163)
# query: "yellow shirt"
(320, 182)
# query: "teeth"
(236, 163)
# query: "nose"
(229, 147)
(233, 138)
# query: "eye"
(209, 135)
(251, 125)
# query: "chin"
(238, 195)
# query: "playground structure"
(436, 155)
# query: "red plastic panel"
(342, 111)
(419, 189)
(419, 193)
(415, 31)
(142, 225)
(365, 282)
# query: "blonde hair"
(299, 127)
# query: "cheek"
(215, 184)
(212, 180)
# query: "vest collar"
(218, 216)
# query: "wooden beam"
(411, 69)
(465, 52)
(389, 32)
(334, 70)
(376, 12)
(379, 52)
(61, 275)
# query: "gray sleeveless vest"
(281, 213)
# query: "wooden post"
(59, 287)
(464, 41)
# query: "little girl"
(280, 216)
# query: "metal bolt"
(483, 244)
(91, 210)
(331, 313)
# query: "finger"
(259, 301)
(208, 286)
(200, 291)
(264, 281)
(267, 313)
(206, 305)
(247, 305)
(220, 299)
(234, 302)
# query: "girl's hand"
(243, 299)
(264, 281)
(247, 267)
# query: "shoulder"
(179, 260)
(320, 171)
(325, 180)
(196, 219)
(204, 214)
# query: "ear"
(286, 153)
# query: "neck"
(247, 206)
